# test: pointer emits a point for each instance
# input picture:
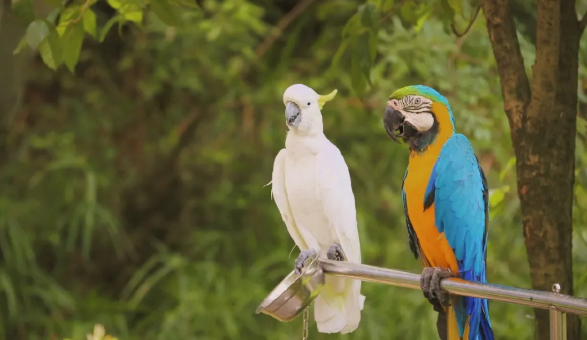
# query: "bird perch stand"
(295, 293)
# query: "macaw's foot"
(335, 253)
(304, 255)
(430, 284)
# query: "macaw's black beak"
(393, 121)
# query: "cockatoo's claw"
(430, 284)
(336, 253)
(304, 255)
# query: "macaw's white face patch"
(416, 111)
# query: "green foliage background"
(133, 193)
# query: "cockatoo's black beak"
(293, 114)
(393, 120)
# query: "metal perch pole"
(295, 293)
(525, 297)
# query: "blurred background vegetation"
(133, 189)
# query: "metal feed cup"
(294, 293)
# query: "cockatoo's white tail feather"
(339, 312)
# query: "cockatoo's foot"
(430, 284)
(335, 253)
(304, 255)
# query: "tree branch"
(515, 86)
(281, 26)
(469, 25)
(392, 11)
(82, 12)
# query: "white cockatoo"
(311, 186)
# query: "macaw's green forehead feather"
(426, 92)
(419, 90)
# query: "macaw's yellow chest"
(434, 245)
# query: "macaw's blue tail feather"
(449, 327)
(473, 313)
(472, 318)
(479, 327)
(461, 315)
(485, 331)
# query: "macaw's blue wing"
(458, 189)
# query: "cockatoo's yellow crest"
(326, 98)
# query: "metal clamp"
(558, 319)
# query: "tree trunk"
(542, 118)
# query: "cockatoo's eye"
(308, 103)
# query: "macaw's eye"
(418, 101)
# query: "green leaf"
(22, 44)
(409, 12)
(71, 43)
(509, 165)
(135, 16)
(89, 214)
(108, 26)
(338, 55)
(456, 5)
(114, 4)
(369, 15)
(55, 3)
(496, 196)
(165, 12)
(373, 40)
(67, 18)
(424, 14)
(24, 11)
(89, 21)
(36, 32)
(352, 26)
(447, 13)
(129, 10)
(10, 293)
(364, 56)
(50, 49)
(185, 3)
(52, 16)
(357, 75)
(386, 5)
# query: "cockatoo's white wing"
(338, 307)
(279, 194)
(333, 188)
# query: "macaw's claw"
(430, 284)
(304, 255)
(336, 253)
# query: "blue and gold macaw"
(446, 206)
